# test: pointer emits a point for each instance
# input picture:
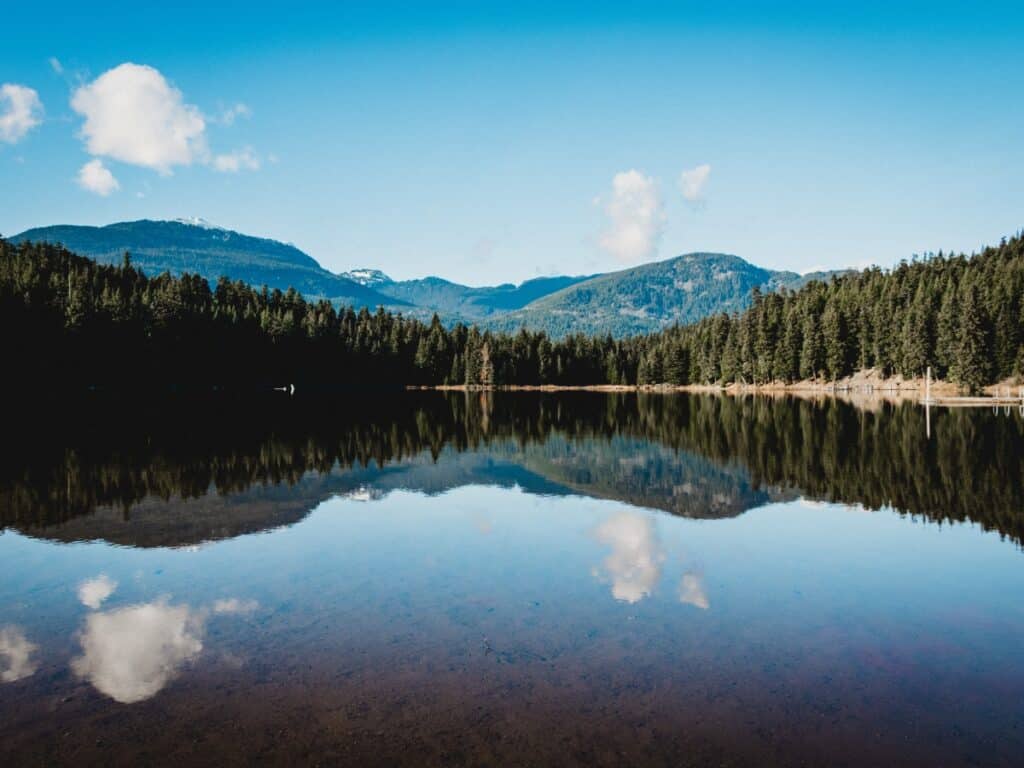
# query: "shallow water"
(598, 580)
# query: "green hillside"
(639, 300)
(650, 297)
(470, 303)
(211, 252)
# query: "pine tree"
(916, 335)
(486, 364)
(812, 352)
(973, 365)
(676, 365)
(947, 331)
(833, 334)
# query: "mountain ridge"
(652, 296)
(639, 299)
(185, 246)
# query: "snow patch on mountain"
(367, 277)
(196, 221)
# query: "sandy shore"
(868, 384)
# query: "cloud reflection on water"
(634, 565)
(691, 591)
(233, 605)
(15, 654)
(92, 592)
(131, 653)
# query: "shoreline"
(865, 385)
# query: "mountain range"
(637, 300)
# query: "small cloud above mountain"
(134, 115)
(239, 160)
(636, 218)
(20, 111)
(95, 177)
(693, 182)
(228, 115)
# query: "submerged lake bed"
(513, 578)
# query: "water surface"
(513, 579)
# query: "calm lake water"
(512, 579)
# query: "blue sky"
(496, 142)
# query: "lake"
(434, 578)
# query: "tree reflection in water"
(257, 464)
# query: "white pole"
(928, 386)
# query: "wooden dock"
(994, 401)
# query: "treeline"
(963, 316)
(69, 322)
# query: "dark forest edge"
(70, 323)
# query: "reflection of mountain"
(647, 474)
(209, 470)
(633, 471)
(176, 522)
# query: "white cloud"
(134, 115)
(691, 591)
(56, 66)
(92, 592)
(20, 111)
(232, 113)
(16, 654)
(240, 159)
(692, 183)
(634, 565)
(636, 217)
(95, 177)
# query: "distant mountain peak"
(196, 221)
(198, 247)
(365, 276)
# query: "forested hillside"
(642, 299)
(467, 303)
(199, 248)
(70, 322)
(650, 297)
(964, 316)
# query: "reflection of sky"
(691, 591)
(131, 653)
(419, 561)
(16, 654)
(92, 592)
(634, 565)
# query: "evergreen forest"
(70, 323)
